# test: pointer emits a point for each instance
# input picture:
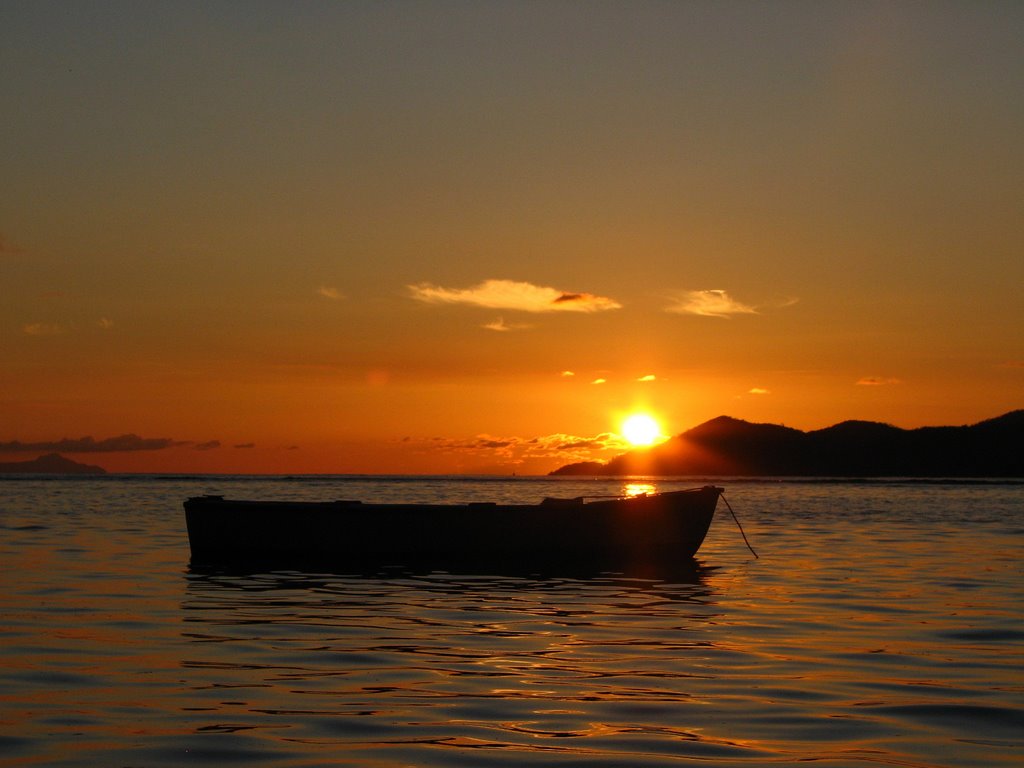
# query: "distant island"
(50, 464)
(728, 446)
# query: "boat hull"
(664, 527)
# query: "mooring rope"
(744, 535)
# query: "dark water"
(882, 625)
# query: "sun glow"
(641, 429)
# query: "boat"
(664, 527)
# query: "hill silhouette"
(50, 464)
(728, 446)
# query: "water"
(882, 625)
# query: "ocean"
(881, 624)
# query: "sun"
(641, 429)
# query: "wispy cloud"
(43, 329)
(569, 448)
(599, 380)
(648, 377)
(207, 446)
(501, 326)
(245, 445)
(129, 442)
(568, 374)
(758, 391)
(57, 329)
(510, 294)
(328, 292)
(711, 303)
(876, 381)
(559, 446)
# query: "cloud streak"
(559, 446)
(510, 294)
(876, 381)
(43, 329)
(502, 327)
(58, 329)
(328, 292)
(129, 442)
(710, 303)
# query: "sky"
(461, 237)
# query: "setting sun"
(573, 274)
(641, 429)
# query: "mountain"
(728, 446)
(50, 464)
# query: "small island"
(50, 464)
(733, 447)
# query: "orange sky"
(379, 237)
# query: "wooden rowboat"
(655, 528)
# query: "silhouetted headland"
(50, 464)
(728, 446)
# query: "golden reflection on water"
(633, 488)
(835, 647)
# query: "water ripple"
(881, 626)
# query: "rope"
(739, 526)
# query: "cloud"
(129, 442)
(43, 329)
(501, 446)
(328, 292)
(509, 294)
(567, 374)
(492, 443)
(245, 445)
(712, 303)
(501, 326)
(648, 377)
(758, 391)
(207, 446)
(599, 381)
(876, 381)
(56, 329)
(559, 446)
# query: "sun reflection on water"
(633, 489)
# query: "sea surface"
(881, 624)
